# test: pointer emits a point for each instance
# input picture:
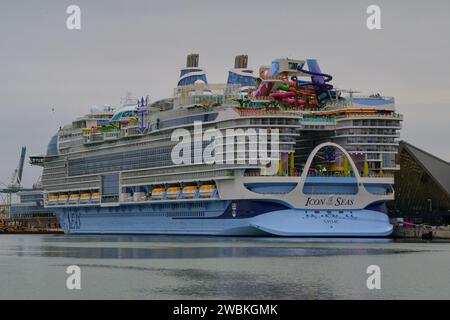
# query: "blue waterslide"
(318, 79)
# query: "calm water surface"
(182, 267)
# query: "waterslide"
(293, 87)
(264, 89)
(320, 87)
(318, 79)
(287, 97)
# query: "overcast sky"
(140, 45)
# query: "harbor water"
(186, 267)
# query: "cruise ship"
(275, 152)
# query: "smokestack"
(192, 60)
(240, 62)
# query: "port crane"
(15, 186)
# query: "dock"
(426, 232)
(10, 227)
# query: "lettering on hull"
(329, 201)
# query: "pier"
(425, 232)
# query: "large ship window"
(110, 187)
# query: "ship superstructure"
(280, 152)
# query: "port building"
(422, 187)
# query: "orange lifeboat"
(158, 193)
(173, 192)
(189, 192)
(207, 190)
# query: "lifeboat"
(62, 199)
(85, 197)
(207, 190)
(189, 191)
(73, 198)
(96, 197)
(52, 199)
(158, 193)
(173, 192)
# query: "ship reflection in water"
(184, 267)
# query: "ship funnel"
(241, 61)
(192, 73)
(192, 60)
(241, 75)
